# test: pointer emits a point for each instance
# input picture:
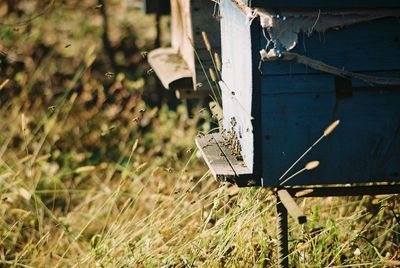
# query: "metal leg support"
(283, 244)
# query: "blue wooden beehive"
(290, 68)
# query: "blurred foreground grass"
(97, 170)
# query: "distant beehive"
(290, 68)
(178, 67)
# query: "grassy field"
(98, 167)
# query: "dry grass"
(91, 174)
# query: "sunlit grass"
(92, 175)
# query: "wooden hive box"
(178, 67)
(291, 68)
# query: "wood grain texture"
(222, 164)
(215, 159)
(242, 172)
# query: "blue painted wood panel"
(323, 3)
(367, 46)
(364, 148)
(288, 107)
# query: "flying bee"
(97, 7)
(10, 57)
(169, 169)
(150, 71)
(144, 54)
(108, 131)
(251, 183)
(109, 74)
(233, 121)
(67, 46)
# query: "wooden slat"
(223, 165)
(215, 159)
(291, 206)
(238, 166)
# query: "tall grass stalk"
(326, 133)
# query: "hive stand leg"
(283, 245)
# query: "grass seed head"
(206, 42)
(331, 128)
(212, 75)
(218, 63)
(312, 165)
(4, 84)
(303, 193)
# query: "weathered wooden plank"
(215, 158)
(223, 165)
(169, 66)
(291, 206)
(238, 166)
